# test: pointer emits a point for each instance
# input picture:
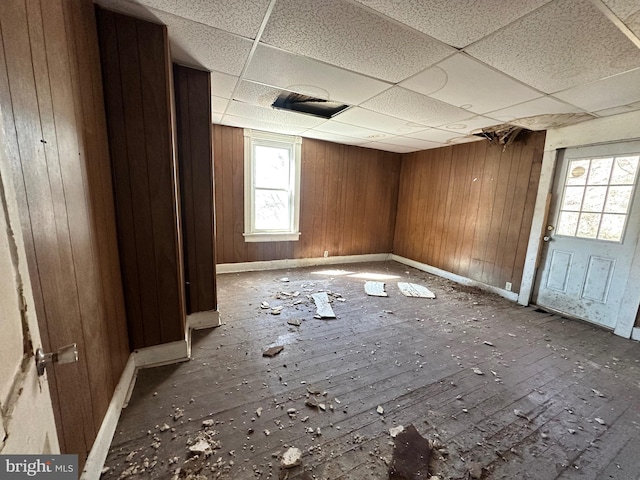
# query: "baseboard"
(455, 277)
(298, 262)
(162, 354)
(200, 320)
(635, 333)
(98, 454)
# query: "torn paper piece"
(375, 289)
(323, 308)
(414, 290)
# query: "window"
(597, 197)
(271, 186)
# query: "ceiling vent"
(309, 105)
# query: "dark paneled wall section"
(464, 208)
(467, 209)
(137, 82)
(347, 206)
(193, 137)
(56, 143)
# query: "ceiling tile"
(617, 110)
(465, 139)
(340, 128)
(130, 8)
(218, 104)
(539, 106)
(435, 135)
(199, 45)
(242, 17)
(469, 125)
(608, 93)
(303, 75)
(350, 36)
(462, 81)
(222, 84)
(332, 137)
(272, 115)
(457, 23)
(628, 11)
(376, 121)
(216, 117)
(415, 143)
(415, 107)
(387, 147)
(244, 122)
(256, 94)
(561, 45)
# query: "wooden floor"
(576, 387)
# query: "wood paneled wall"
(347, 207)
(193, 139)
(467, 208)
(137, 85)
(56, 143)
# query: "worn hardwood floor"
(576, 386)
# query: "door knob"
(546, 238)
(66, 354)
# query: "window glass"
(271, 167)
(596, 198)
(272, 186)
(271, 210)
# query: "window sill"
(271, 237)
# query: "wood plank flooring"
(414, 357)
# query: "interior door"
(594, 222)
(26, 416)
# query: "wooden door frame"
(618, 128)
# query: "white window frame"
(253, 138)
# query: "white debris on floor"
(415, 290)
(291, 458)
(323, 308)
(375, 289)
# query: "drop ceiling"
(417, 74)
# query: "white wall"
(617, 128)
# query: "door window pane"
(624, 171)
(588, 225)
(612, 227)
(618, 199)
(573, 198)
(568, 223)
(600, 171)
(594, 199)
(577, 172)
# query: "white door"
(26, 415)
(594, 222)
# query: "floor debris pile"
(498, 390)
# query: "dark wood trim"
(194, 148)
(137, 85)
